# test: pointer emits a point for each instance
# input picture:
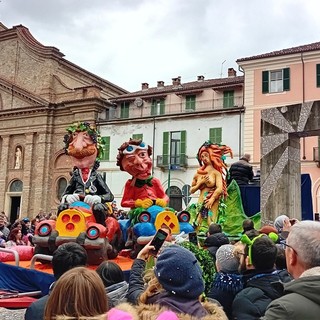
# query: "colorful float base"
(17, 281)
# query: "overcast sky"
(129, 42)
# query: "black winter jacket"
(260, 289)
(241, 171)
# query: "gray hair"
(304, 238)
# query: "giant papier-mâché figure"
(143, 190)
(83, 144)
(210, 180)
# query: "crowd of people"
(20, 232)
(270, 273)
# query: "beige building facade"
(282, 78)
(41, 94)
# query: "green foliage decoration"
(206, 262)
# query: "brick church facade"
(41, 94)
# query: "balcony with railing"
(145, 109)
(177, 162)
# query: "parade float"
(83, 214)
(146, 198)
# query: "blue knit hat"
(179, 272)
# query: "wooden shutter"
(162, 104)
(228, 99)
(191, 102)
(286, 79)
(154, 108)
(265, 81)
(106, 149)
(183, 147)
(318, 75)
(137, 136)
(165, 148)
(215, 135)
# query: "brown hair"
(135, 142)
(153, 286)
(78, 293)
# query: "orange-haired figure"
(210, 179)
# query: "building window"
(61, 186)
(16, 186)
(276, 81)
(191, 103)
(318, 75)
(157, 107)
(228, 99)
(137, 136)
(106, 149)
(175, 198)
(124, 111)
(215, 135)
(174, 148)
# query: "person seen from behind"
(301, 297)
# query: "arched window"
(175, 196)
(61, 186)
(16, 186)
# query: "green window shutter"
(106, 148)
(154, 108)
(183, 148)
(286, 79)
(162, 104)
(137, 136)
(165, 148)
(124, 110)
(318, 75)
(215, 135)
(228, 99)
(265, 81)
(191, 102)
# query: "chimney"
(144, 86)
(231, 73)
(160, 84)
(176, 81)
(200, 78)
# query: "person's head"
(17, 224)
(278, 222)
(303, 247)
(267, 229)
(260, 253)
(246, 157)
(15, 234)
(67, 256)
(226, 260)
(247, 225)
(78, 293)
(27, 222)
(110, 273)
(134, 157)
(179, 272)
(281, 262)
(214, 228)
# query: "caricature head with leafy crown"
(83, 144)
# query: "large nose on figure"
(79, 141)
(138, 162)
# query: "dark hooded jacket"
(261, 288)
(300, 300)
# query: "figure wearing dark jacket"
(214, 241)
(90, 187)
(260, 289)
(241, 171)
